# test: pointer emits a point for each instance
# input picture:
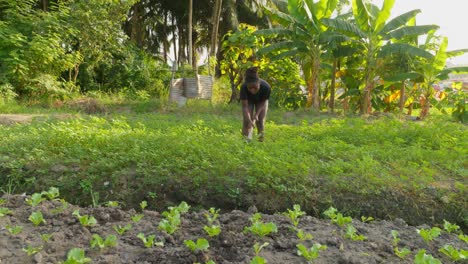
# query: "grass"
(381, 166)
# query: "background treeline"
(325, 54)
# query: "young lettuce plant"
(14, 230)
(259, 228)
(122, 229)
(5, 211)
(366, 219)
(211, 229)
(257, 259)
(46, 237)
(310, 253)
(453, 253)
(303, 236)
(136, 218)
(112, 204)
(399, 253)
(98, 241)
(35, 200)
(52, 194)
(422, 258)
(149, 241)
(37, 218)
(30, 250)
(85, 220)
(199, 246)
(463, 238)
(429, 234)
(336, 217)
(76, 256)
(294, 214)
(449, 227)
(171, 221)
(351, 234)
(143, 205)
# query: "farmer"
(254, 95)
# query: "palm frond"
(343, 26)
(400, 21)
(403, 48)
(410, 31)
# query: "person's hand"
(252, 123)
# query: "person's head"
(252, 80)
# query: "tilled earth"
(233, 245)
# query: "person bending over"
(254, 95)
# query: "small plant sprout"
(212, 230)
(199, 246)
(310, 253)
(351, 234)
(37, 218)
(149, 241)
(422, 258)
(257, 248)
(212, 215)
(2, 201)
(14, 230)
(52, 193)
(122, 229)
(152, 195)
(401, 253)
(294, 214)
(429, 234)
(453, 253)
(62, 208)
(463, 237)
(449, 227)
(35, 200)
(136, 218)
(171, 220)
(143, 205)
(46, 237)
(85, 220)
(98, 241)
(337, 218)
(259, 228)
(30, 250)
(76, 256)
(112, 204)
(366, 219)
(396, 239)
(303, 236)
(5, 211)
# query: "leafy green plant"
(396, 239)
(2, 201)
(85, 220)
(46, 237)
(136, 218)
(143, 205)
(30, 250)
(259, 228)
(149, 241)
(294, 214)
(14, 230)
(76, 256)
(351, 234)
(98, 241)
(257, 248)
(212, 215)
(303, 235)
(463, 237)
(429, 234)
(365, 219)
(449, 227)
(35, 200)
(422, 258)
(201, 245)
(453, 253)
(310, 253)
(5, 211)
(212, 230)
(171, 220)
(112, 204)
(336, 217)
(37, 218)
(62, 208)
(401, 253)
(51, 194)
(122, 229)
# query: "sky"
(450, 15)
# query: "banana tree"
(303, 36)
(372, 31)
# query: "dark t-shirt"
(262, 95)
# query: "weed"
(463, 237)
(112, 204)
(396, 239)
(62, 208)
(365, 219)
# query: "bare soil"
(231, 246)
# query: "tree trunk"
(332, 87)
(316, 83)
(174, 42)
(165, 42)
(425, 106)
(44, 5)
(366, 106)
(189, 33)
(402, 101)
(215, 21)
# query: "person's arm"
(246, 112)
(260, 109)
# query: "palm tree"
(373, 32)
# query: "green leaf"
(383, 15)
(403, 48)
(361, 15)
(409, 31)
(344, 27)
(399, 21)
(325, 8)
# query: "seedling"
(62, 208)
(149, 241)
(304, 236)
(136, 218)
(351, 233)
(30, 250)
(14, 230)
(2, 201)
(337, 218)
(46, 237)
(201, 245)
(122, 229)
(259, 228)
(401, 253)
(453, 253)
(37, 218)
(171, 220)
(449, 227)
(294, 214)
(143, 205)
(35, 200)
(98, 241)
(112, 204)
(5, 211)
(463, 237)
(85, 220)
(76, 256)
(212, 230)
(310, 253)
(429, 234)
(212, 215)
(365, 219)
(52, 193)
(257, 259)
(422, 258)
(396, 239)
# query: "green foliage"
(36, 218)
(310, 253)
(149, 241)
(212, 230)
(14, 230)
(422, 258)
(112, 204)
(85, 220)
(366, 219)
(257, 259)
(463, 237)
(5, 211)
(35, 200)
(122, 229)
(46, 237)
(52, 193)
(351, 234)
(303, 236)
(429, 234)
(294, 214)
(30, 250)
(171, 221)
(98, 241)
(449, 227)
(201, 245)
(259, 228)
(76, 256)
(212, 215)
(396, 239)
(136, 218)
(401, 253)
(143, 205)
(453, 253)
(336, 217)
